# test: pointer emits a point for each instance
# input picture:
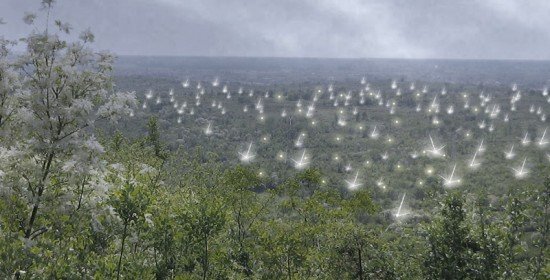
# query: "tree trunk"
(205, 261)
(121, 250)
(360, 264)
(46, 170)
(289, 269)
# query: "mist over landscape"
(285, 70)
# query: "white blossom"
(146, 168)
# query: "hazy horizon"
(339, 58)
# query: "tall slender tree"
(51, 96)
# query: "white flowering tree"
(50, 162)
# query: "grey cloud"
(477, 29)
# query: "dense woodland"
(93, 185)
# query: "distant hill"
(533, 74)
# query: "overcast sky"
(476, 29)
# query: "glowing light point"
(208, 130)
(450, 181)
(302, 162)
(521, 172)
(399, 214)
(247, 157)
(510, 154)
(353, 184)
(374, 134)
(435, 151)
(542, 141)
